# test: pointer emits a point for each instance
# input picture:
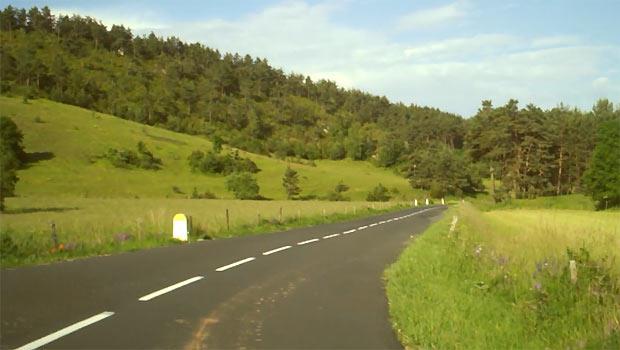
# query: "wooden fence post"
(227, 221)
(54, 235)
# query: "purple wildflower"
(537, 286)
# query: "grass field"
(68, 139)
(571, 201)
(502, 280)
(89, 226)
(94, 206)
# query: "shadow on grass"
(39, 210)
(35, 157)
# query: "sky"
(445, 54)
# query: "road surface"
(317, 287)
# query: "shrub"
(337, 151)
(127, 159)
(336, 194)
(336, 197)
(243, 185)
(436, 190)
(213, 163)
(204, 195)
(378, 194)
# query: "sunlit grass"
(73, 138)
(92, 226)
(501, 280)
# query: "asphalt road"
(324, 291)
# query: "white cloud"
(557, 40)
(424, 19)
(600, 82)
(459, 47)
(139, 22)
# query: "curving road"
(317, 287)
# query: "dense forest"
(251, 105)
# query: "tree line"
(248, 104)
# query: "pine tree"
(602, 179)
(290, 182)
(12, 156)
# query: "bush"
(336, 197)
(213, 163)
(337, 151)
(436, 190)
(243, 185)
(204, 195)
(128, 159)
(337, 194)
(378, 194)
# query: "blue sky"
(445, 54)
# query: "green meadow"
(502, 279)
(68, 140)
(96, 208)
(95, 226)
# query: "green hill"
(65, 141)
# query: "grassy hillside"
(501, 279)
(67, 139)
(92, 204)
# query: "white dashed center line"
(350, 231)
(229, 266)
(170, 288)
(276, 250)
(66, 331)
(362, 227)
(381, 222)
(373, 225)
(308, 241)
(331, 236)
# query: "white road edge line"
(229, 266)
(277, 250)
(331, 236)
(170, 288)
(308, 241)
(362, 227)
(373, 225)
(350, 231)
(66, 331)
(381, 222)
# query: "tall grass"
(502, 280)
(571, 201)
(87, 226)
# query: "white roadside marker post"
(426, 201)
(179, 227)
(415, 202)
(442, 201)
